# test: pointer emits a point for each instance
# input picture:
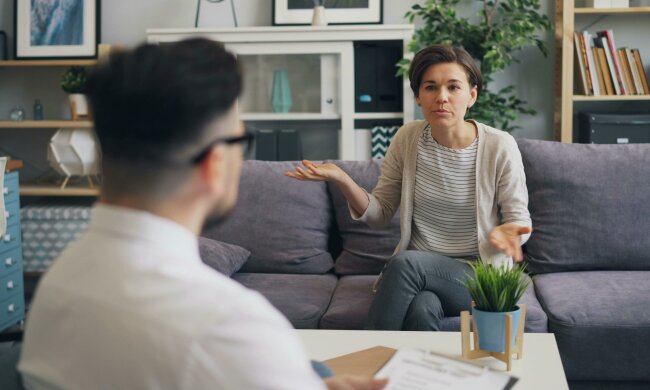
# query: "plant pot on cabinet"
(78, 106)
(491, 329)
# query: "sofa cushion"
(589, 205)
(365, 250)
(283, 222)
(353, 296)
(223, 257)
(600, 320)
(314, 291)
(350, 303)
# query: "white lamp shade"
(74, 152)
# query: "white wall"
(125, 22)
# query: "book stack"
(603, 69)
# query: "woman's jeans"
(417, 290)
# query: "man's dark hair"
(151, 106)
(440, 54)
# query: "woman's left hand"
(506, 239)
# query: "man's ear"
(211, 168)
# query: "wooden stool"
(474, 353)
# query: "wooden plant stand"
(474, 353)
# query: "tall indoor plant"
(495, 290)
(503, 28)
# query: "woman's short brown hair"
(441, 54)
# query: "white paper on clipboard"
(3, 215)
(415, 369)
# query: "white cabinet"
(321, 69)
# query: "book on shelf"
(625, 71)
(581, 70)
(602, 43)
(639, 64)
(616, 71)
(592, 75)
(603, 69)
(634, 70)
(599, 72)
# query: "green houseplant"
(495, 292)
(502, 28)
(73, 82)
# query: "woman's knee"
(424, 313)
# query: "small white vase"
(78, 105)
(319, 16)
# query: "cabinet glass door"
(289, 81)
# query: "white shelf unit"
(329, 48)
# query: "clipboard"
(422, 369)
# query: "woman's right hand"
(318, 172)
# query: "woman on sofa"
(461, 189)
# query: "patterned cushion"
(381, 136)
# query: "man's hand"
(354, 382)
(506, 239)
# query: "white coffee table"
(540, 368)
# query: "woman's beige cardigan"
(501, 194)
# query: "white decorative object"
(319, 16)
(620, 3)
(74, 152)
(78, 106)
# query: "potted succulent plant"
(73, 82)
(495, 292)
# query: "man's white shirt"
(131, 306)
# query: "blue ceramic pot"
(491, 328)
(281, 100)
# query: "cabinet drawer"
(12, 213)
(11, 261)
(12, 310)
(11, 238)
(11, 284)
(10, 187)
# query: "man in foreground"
(130, 305)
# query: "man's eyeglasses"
(245, 139)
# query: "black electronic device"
(376, 86)
(278, 145)
(614, 128)
(289, 145)
(266, 145)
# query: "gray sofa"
(590, 207)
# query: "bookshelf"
(565, 97)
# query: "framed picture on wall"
(300, 12)
(48, 29)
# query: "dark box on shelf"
(376, 86)
(614, 128)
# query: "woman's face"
(445, 95)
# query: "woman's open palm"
(506, 238)
(317, 172)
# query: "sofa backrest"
(364, 250)
(590, 206)
(283, 222)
